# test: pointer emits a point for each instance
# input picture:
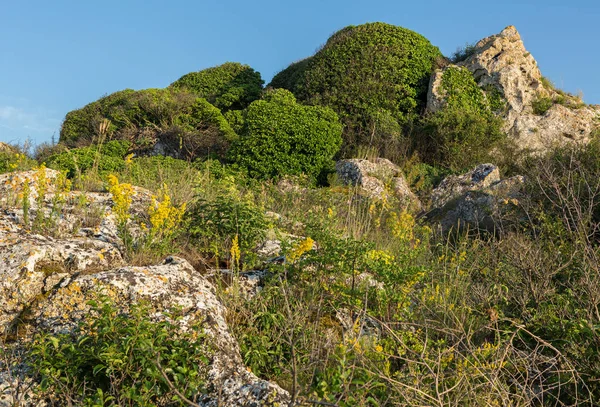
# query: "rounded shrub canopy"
(281, 137)
(365, 72)
(231, 86)
(185, 125)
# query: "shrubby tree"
(231, 86)
(281, 137)
(186, 126)
(466, 129)
(366, 73)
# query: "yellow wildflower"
(301, 248)
(121, 194)
(235, 250)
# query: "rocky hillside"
(372, 229)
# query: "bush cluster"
(465, 131)
(363, 72)
(106, 157)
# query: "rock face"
(478, 199)
(47, 278)
(376, 177)
(501, 62)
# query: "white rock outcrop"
(502, 62)
(478, 199)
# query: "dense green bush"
(122, 359)
(281, 137)
(363, 72)
(229, 86)
(185, 125)
(465, 130)
(107, 158)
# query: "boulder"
(173, 284)
(376, 178)
(454, 186)
(478, 199)
(503, 63)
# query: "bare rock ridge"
(502, 62)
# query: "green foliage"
(465, 130)
(281, 137)
(231, 86)
(115, 359)
(463, 53)
(541, 105)
(107, 158)
(186, 125)
(290, 76)
(365, 71)
(215, 221)
(15, 161)
(235, 118)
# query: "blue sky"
(57, 56)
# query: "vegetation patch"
(122, 359)
(363, 72)
(231, 86)
(281, 137)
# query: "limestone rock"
(454, 186)
(477, 200)
(374, 175)
(502, 62)
(172, 284)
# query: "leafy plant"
(281, 137)
(541, 105)
(115, 359)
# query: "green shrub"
(107, 158)
(217, 221)
(121, 359)
(365, 71)
(281, 137)
(185, 125)
(541, 105)
(231, 86)
(465, 130)
(15, 161)
(457, 140)
(463, 53)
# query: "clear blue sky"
(58, 55)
